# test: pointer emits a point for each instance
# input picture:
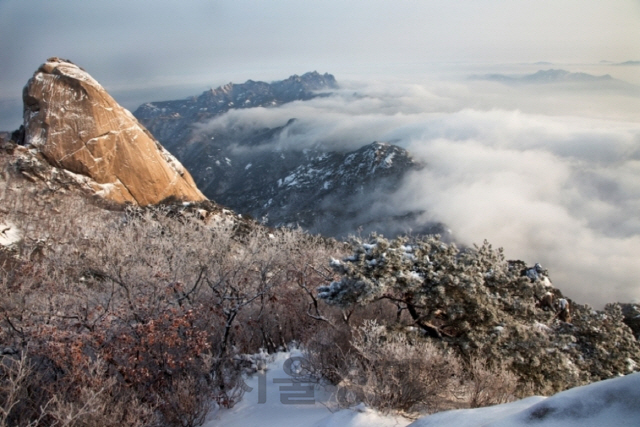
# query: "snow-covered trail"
(271, 402)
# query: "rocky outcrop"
(78, 126)
(328, 192)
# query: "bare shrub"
(329, 353)
(388, 371)
(144, 310)
(188, 403)
(490, 385)
(14, 381)
(290, 311)
(31, 397)
(103, 288)
(109, 406)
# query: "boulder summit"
(72, 120)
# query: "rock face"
(78, 126)
(631, 313)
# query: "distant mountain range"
(628, 63)
(558, 76)
(325, 191)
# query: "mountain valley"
(243, 167)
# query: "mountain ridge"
(170, 120)
(243, 165)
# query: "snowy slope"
(614, 402)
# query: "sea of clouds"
(550, 172)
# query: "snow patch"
(171, 160)
(388, 161)
(9, 234)
(542, 327)
(416, 276)
(105, 189)
(335, 262)
(73, 71)
(369, 246)
(270, 400)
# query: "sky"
(173, 47)
(549, 172)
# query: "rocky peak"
(305, 84)
(327, 190)
(78, 126)
(171, 121)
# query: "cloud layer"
(551, 175)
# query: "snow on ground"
(274, 399)
(614, 402)
(9, 234)
(476, 417)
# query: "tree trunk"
(431, 330)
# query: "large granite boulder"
(78, 126)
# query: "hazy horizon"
(143, 51)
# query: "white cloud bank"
(551, 174)
(545, 189)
